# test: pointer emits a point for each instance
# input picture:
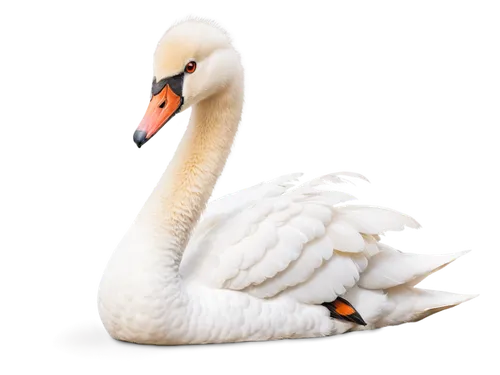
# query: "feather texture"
(263, 263)
(391, 268)
(304, 243)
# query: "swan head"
(193, 61)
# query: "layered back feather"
(310, 243)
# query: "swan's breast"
(138, 295)
(216, 315)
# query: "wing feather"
(313, 256)
(306, 243)
(245, 198)
(345, 237)
(375, 220)
(328, 282)
(391, 267)
(276, 259)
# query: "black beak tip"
(140, 137)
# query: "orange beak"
(162, 107)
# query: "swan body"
(281, 259)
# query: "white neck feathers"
(178, 200)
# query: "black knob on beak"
(140, 137)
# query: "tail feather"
(409, 304)
(391, 268)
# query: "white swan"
(277, 260)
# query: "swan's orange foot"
(343, 310)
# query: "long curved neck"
(180, 197)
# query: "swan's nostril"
(162, 104)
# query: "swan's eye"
(190, 67)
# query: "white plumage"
(306, 245)
(262, 262)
